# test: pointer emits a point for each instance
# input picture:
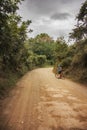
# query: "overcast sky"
(55, 17)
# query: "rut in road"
(42, 102)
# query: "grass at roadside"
(7, 82)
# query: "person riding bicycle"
(60, 71)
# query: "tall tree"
(60, 49)
(80, 32)
(13, 34)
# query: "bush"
(66, 62)
(7, 82)
(41, 60)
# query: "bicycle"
(60, 75)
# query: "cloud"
(46, 7)
(60, 16)
(55, 17)
(54, 28)
(32, 9)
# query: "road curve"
(40, 101)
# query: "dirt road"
(42, 102)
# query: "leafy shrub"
(66, 62)
(7, 82)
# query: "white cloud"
(55, 17)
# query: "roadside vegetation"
(74, 59)
(19, 54)
(13, 33)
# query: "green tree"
(43, 44)
(61, 49)
(79, 59)
(80, 32)
(13, 35)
